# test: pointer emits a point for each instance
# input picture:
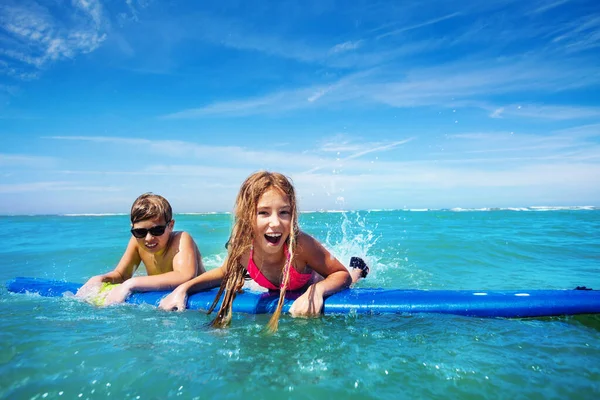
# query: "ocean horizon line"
(333, 211)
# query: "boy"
(171, 258)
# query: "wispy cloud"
(37, 36)
(358, 150)
(580, 35)
(465, 83)
(581, 131)
(346, 46)
(279, 102)
(419, 25)
(233, 155)
(576, 144)
(549, 6)
(63, 186)
(28, 161)
(238, 159)
(497, 113)
(549, 112)
(379, 148)
(286, 100)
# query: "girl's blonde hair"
(241, 239)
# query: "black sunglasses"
(157, 230)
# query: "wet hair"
(150, 206)
(241, 239)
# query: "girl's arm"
(337, 277)
(177, 300)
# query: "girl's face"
(150, 242)
(273, 221)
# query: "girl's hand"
(310, 304)
(175, 301)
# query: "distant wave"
(204, 213)
(326, 211)
(532, 208)
(92, 215)
(460, 209)
(456, 209)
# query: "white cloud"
(273, 103)
(92, 7)
(579, 35)
(358, 150)
(233, 155)
(497, 113)
(346, 46)
(38, 36)
(463, 83)
(549, 6)
(549, 112)
(28, 161)
(419, 25)
(62, 186)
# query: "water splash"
(354, 237)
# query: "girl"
(267, 244)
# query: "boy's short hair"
(150, 206)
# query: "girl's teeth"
(273, 237)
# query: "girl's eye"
(262, 213)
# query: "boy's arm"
(185, 267)
(123, 271)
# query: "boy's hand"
(175, 301)
(118, 295)
(309, 304)
(91, 287)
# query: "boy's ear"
(172, 223)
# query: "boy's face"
(152, 241)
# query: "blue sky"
(364, 104)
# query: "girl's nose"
(274, 220)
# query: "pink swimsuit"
(297, 280)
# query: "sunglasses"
(157, 230)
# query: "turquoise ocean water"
(61, 348)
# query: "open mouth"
(273, 238)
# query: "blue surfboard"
(476, 303)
